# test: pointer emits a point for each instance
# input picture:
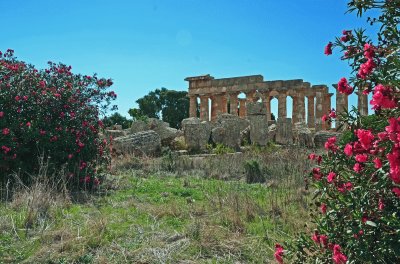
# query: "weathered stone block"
(258, 129)
(256, 108)
(141, 143)
(284, 134)
(196, 133)
(227, 130)
(166, 133)
(115, 133)
(303, 136)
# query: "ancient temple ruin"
(221, 91)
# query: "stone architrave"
(282, 106)
(233, 104)
(284, 134)
(204, 114)
(318, 110)
(193, 106)
(311, 111)
(196, 133)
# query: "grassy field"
(149, 215)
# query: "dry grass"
(150, 215)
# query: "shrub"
(253, 172)
(357, 182)
(51, 116)
(222, 149)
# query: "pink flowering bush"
(51, 116)
(357, 181)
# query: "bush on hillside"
(51, 117)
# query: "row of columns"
(317, 105)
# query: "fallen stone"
(284, 134)
(146, 143)
(196, 133)
(255, 108)
(258, 129)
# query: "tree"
(169, 105)
(357, 181)
(117, 119)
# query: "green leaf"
(371, 223)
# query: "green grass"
(157, 218)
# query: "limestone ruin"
(218, 92)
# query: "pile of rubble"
(148, 137)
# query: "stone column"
(214, 107)
(341, 100)
(295, 109)
(342, 103)
(311, 113)
(282, 106)
(204, 113)
(301, 107)
(362, 103)
(224, 103)
(267, 102)
(318, 110)
(233, 104)
(242, 107)
(193, 106)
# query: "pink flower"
(365, 137)
(312, 156)
(324, 118)
(361, 158)
(279, 253)
(330, 144)
(381, 205)
(369, 51)
(70, 156)
(344, 87)
(6, 131)
(323, 208)
(366, 69)
(328, 49)
(331, 176)
(317, 174)
(332, 113)
(323, 239)
(315, 237)
(28, 124)
(348, 149)
(357, 167)
(396, 191)
(338, 257)
(42, 132)
(17, 98)
(383, 98)
(378, 163)
(1, 114)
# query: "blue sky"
(148, 44)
